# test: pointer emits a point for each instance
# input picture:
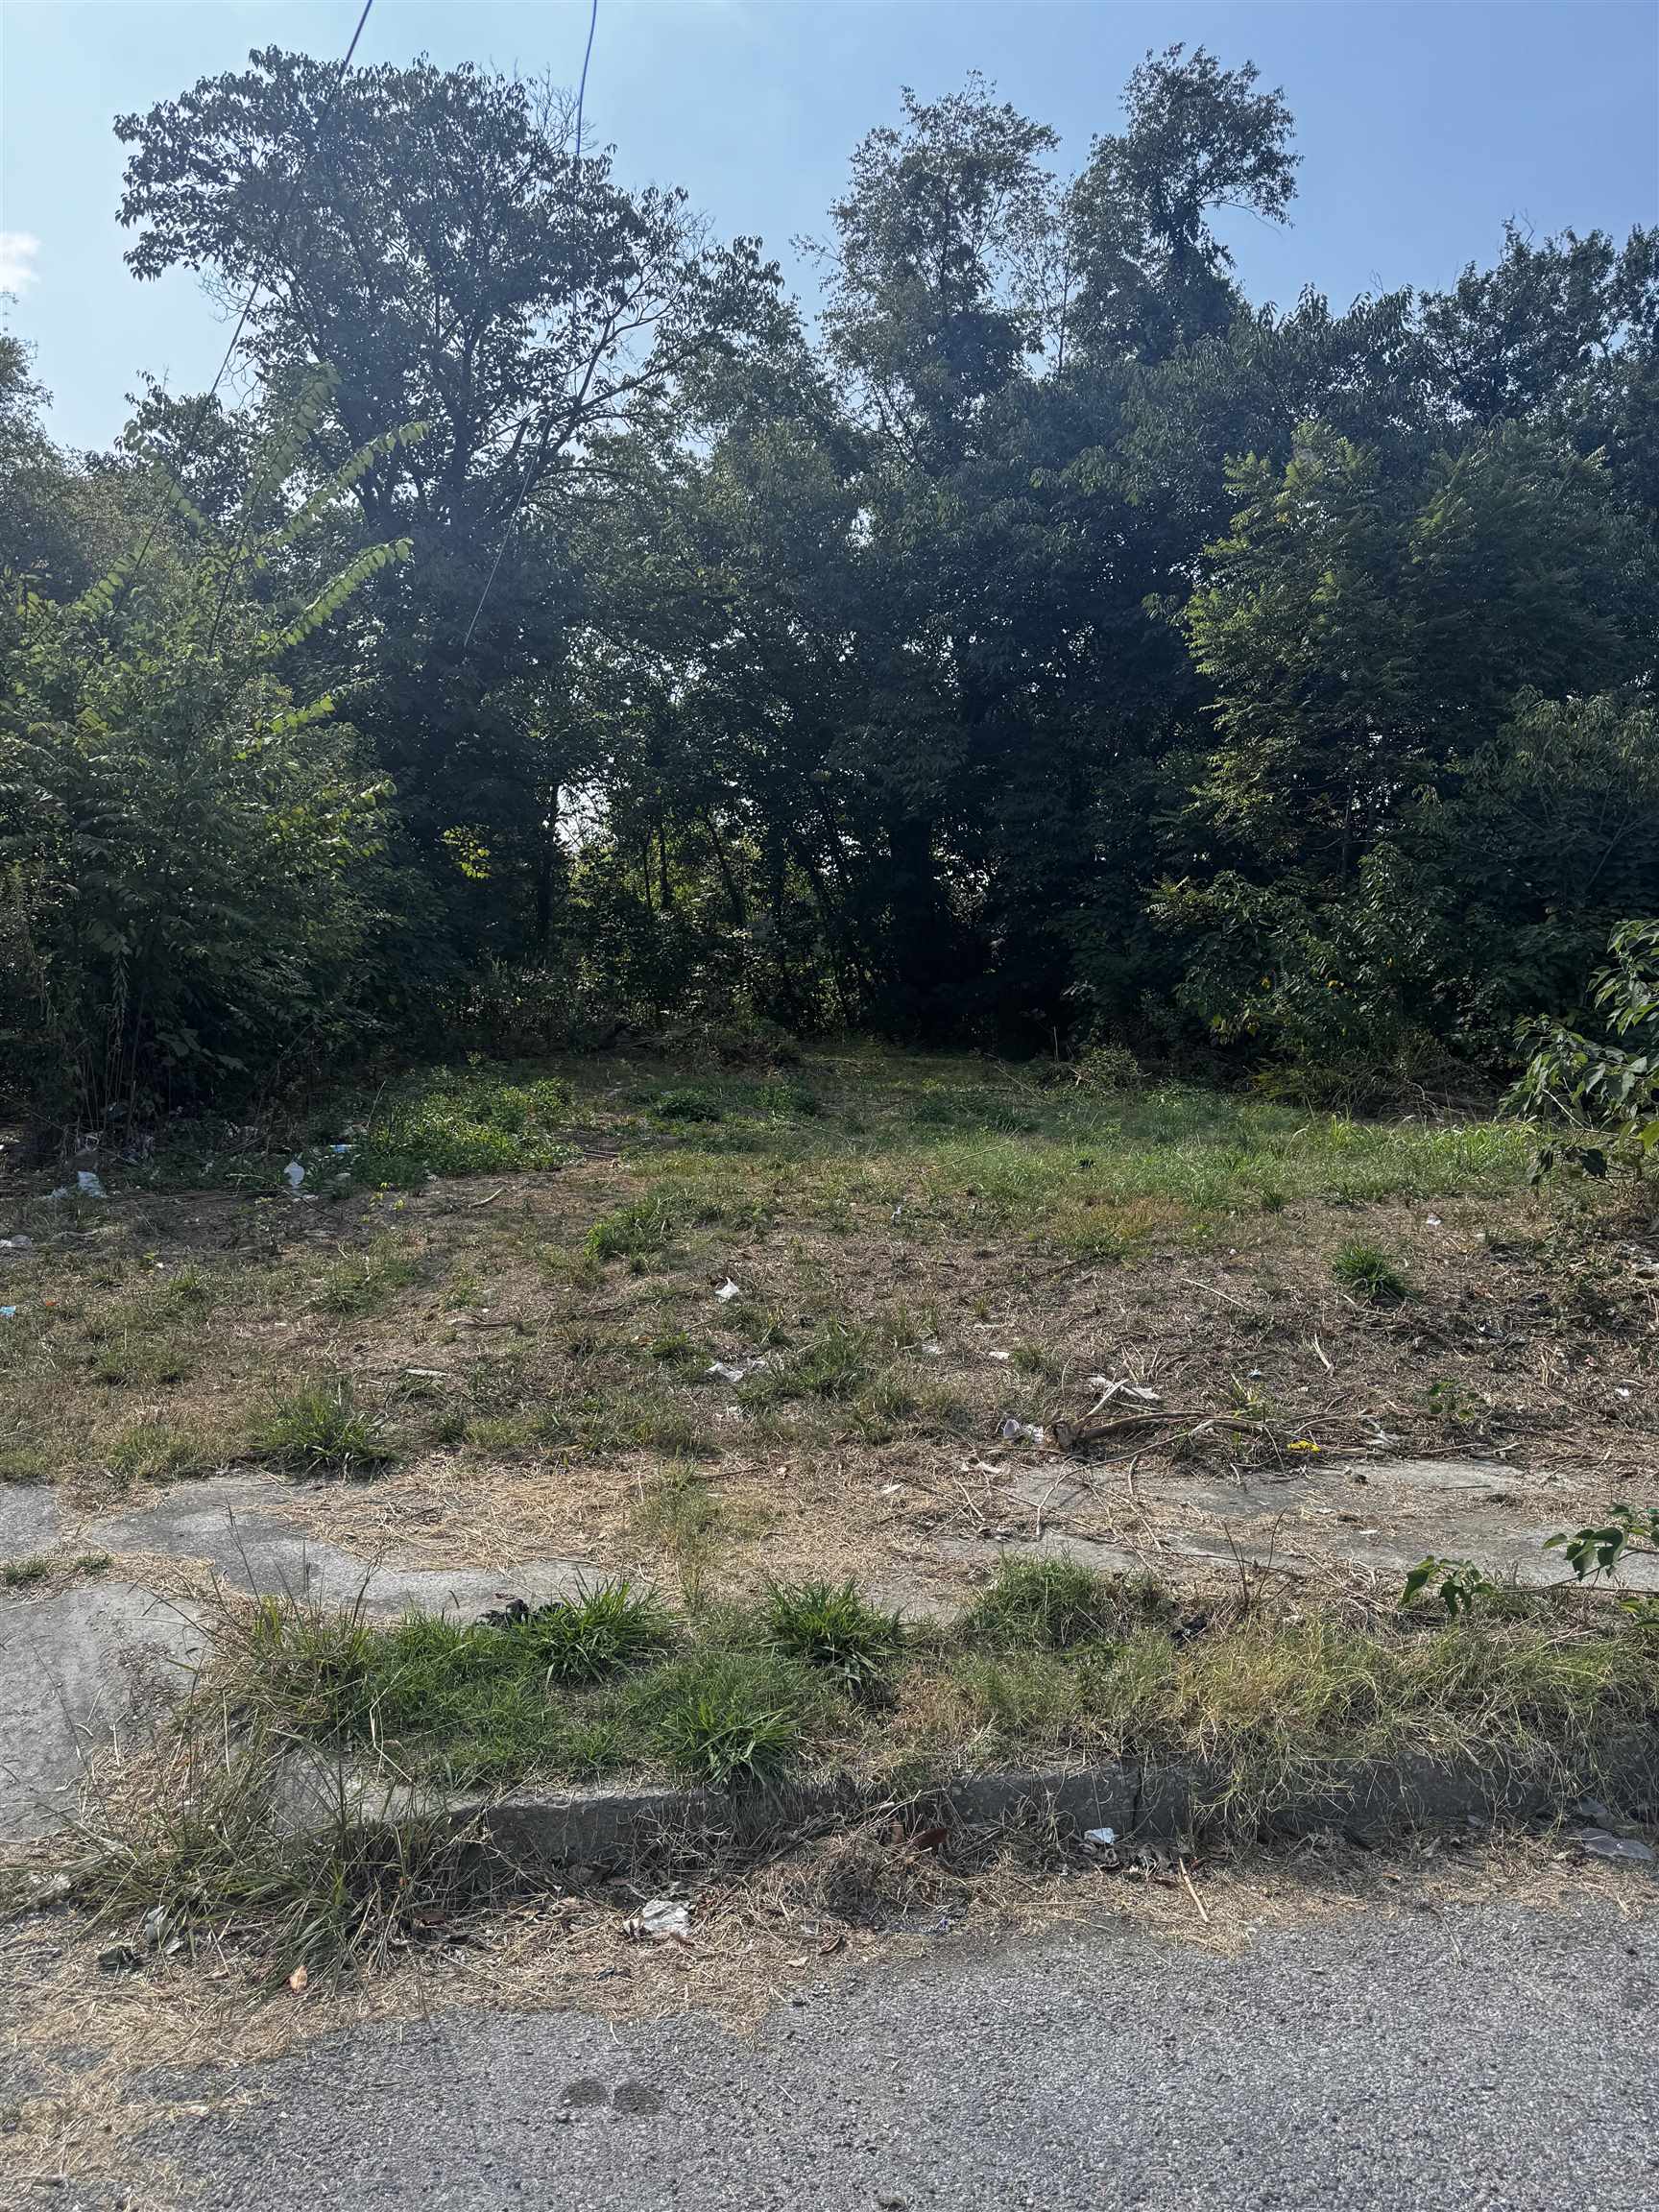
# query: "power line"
(524, 476)
(174, 485)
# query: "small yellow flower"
(1303, 1444)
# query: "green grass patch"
(638, 1232)
(829, 1626)
(1368, 1272)
(154, 1449)
(474, 1120)
(318, 1427)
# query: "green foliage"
(464, 1121)
(640, 1232)
(1048, 645)
(1458, 1584)
(1605, 1091)
(1595, 1552)
(192, 874)
(829, 1625)
(318, 1427)
(1044, 1605)
(1369, 1273)
(731, 1722)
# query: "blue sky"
(1422, 125)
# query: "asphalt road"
(1478, 2056)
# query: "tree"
(192, 866)
(431, 236)
(1197, 137)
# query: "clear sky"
(1422, 125)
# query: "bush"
(195, 891)
(1601, 1092)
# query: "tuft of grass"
(1369, 1273)
(365, 1281)
(21, 1574)
(836, 1363)
(154, 1449)
(1044, 1605)
(640, 1232)
(318, 1427)
(686, 1105)
(579, 1638)
(730, 1721)
(829, 1626)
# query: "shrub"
(1603, 1092)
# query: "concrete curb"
(1140, 1804)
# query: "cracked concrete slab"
(233, 1526)
(1377, 1514)
(81, 1670)
(29, 1518)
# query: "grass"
(1052, 1605)
(24, 1574)
(1369, 1273)
(156, 1448)
(318, 1427)
(474, 1121)
(637, 1233)
(1259, 1709)
(829, 1626)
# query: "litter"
(930, 1350)
(1600, 1845)
(86, 1183)
(1015, 1431)
(727, 1291)
(339, 1150)
(16, 1243)
(1004, 1356)
(1122, 1389)
(726, 1372)
(659, 1921)
(1100, 1838)
(293, 1174)
(8, 1312)
(1433, 1221)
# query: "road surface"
(1493, 2055)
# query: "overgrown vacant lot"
(711, 1327)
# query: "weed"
(579, 1638)
(686, 1106)
(319, 1427)
(1369, 1273)
(833, 1364)
(1458, 1584)
(673, 1349)
(1044, 1605)
(731, 1721)
(642, 1230)
(471, 1122)
(155, 1449)
(20, 1573)
(364, 1282)
(829, 1626)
